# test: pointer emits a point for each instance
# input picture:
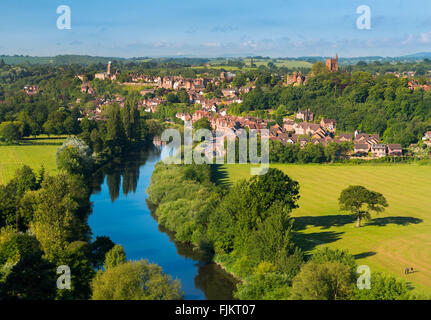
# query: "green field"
(258, 62)
(32, 152)
(393, 240)
(279, 63)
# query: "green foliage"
(99, 248)
(184, 197)
(137, 280)
(267, 286)
(24, 273)
(327, 254)
(323, 281)
(114, 257)
(58, 206)
(360, 201)
(271, 240)
(12, 194)
(10, 132)
(75, 157)
(384, 287)
(202, 123)
(77, 257)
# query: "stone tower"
(109, 68)
(332, 64)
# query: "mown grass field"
(393, 240)
(32, 152)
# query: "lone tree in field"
(360, 201)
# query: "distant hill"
(304, 61)
(57, 60)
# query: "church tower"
(109, 68)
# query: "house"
(366, 138)
(297, 78)
(288, 125)
(86, 88)
(199, 114)
(319, 134)
(328, 124)
(345, 137)
(378, 150)
(307, 128)
(427, 136)
(395, 150)
(183, 116)
(303, 141)
(361, 148)
(152, 104)
(229, 92)
(306, 115)
(275, 131)
(31, 90)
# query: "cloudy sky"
(211, 28)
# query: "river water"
(121, 212)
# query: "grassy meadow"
(279, 63)
(32, 152)
(391, 241)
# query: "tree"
(327, 254)
(24, 273)
(246, 207)
(138, 280)
(24, 180)
(75, 157)
(318, 68)
(70, 161)
(99, 248)
(202, 123)
(115, 135)
(272, 238)
(58, 205)
(77, 257)
(323, 281)
(264, 286)
(384, 288)
(9, 132)
(360, 201)
(183, 96)
(115, 256)
(71, 125)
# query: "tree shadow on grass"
(325, 222)
(402, 221)
(364, 255)
(309, 241)
(220, 176)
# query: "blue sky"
(208, 28)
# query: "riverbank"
(122, 212)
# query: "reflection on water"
(121, 212)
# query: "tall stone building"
(109, 68)
(332, 64)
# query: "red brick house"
(361, 148)
(395, 150)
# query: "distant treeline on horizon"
(87, 60)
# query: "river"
(121, 212)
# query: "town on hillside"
(302, 128)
